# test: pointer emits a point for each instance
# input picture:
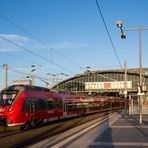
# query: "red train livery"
(27, 106)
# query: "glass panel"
(7, 97)
(42, 104)
(50, 103)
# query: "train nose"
(1, 114)
(2, 117)
(2, 120)
(1, 111)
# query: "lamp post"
(6, 74)
(125, 86)
(123, 36)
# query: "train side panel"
(33, 107)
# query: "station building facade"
(109, 83)
(104, 82)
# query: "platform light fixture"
(120, 25)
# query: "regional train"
(30, 106)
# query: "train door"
(64, 108)
(32, 110)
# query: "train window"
(30, 102)
(98, 104)
(42, 104)
(102, 104)
(91, 104)
(58, 103)
(106, 104)
(25, 105)
(71, 106)
(50, 103)
(78, 105)
(1, 102)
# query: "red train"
(27, 106)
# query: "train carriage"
(26, 106)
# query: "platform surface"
(125, 132)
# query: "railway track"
(13, 137)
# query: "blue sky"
(74, 34)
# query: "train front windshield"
(7, 97)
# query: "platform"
(116, 132)
(124, 133)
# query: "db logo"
(107, 85)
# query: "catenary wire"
(99, 9)
(25, 74)
(39, 40)
(35, 54)
(16, 57)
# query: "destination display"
(107, 85)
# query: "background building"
(105, 82)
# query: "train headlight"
(9, 121)
(10, 109)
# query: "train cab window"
(8, 97)
(50, 103)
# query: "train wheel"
(4, 124)
(32, 123)
(41, 122)
(26, 126)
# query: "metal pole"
(32, 76)
(6, 74)
(119, 25)
(140, 71)
(57, 82)
(130, 105)
(125, 85)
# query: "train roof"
(27, 87)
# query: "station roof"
(132, 73)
